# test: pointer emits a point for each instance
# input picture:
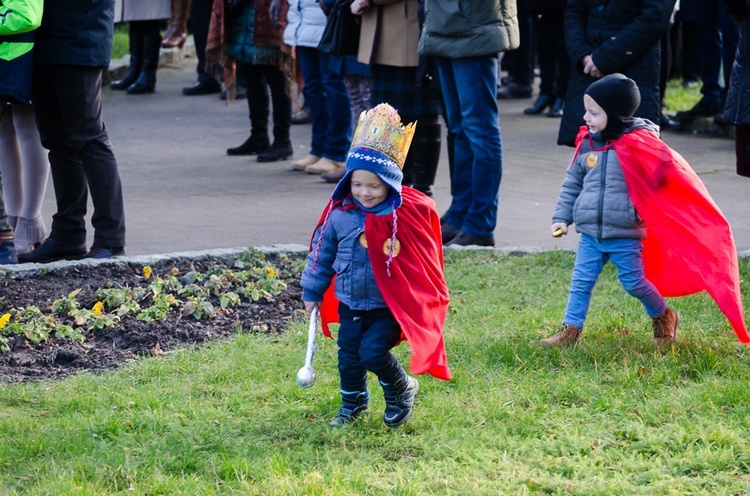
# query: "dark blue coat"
(76, 32)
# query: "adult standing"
(144, 18)
(200, 20)
(176, 33)
(18, 22)
(73, 48)
(388, 42)
(465, 37)
(324, 90)
(608, 36)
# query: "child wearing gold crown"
(381, 244)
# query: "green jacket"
(469, 28)
(16, 17)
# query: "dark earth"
(109, 348)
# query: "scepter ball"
(305, 377)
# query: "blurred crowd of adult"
(436, 61)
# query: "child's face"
(595, 116)
(368, 189)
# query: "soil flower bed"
(96, 317)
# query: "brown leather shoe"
(665, 326)
(566, 337)
(323, 166)
(335, 176)
(304, 162)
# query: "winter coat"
(142, 10)
(74, 32)
(469, 28)
(621, 36)
(20, 18)
(342, 254)
(251, 42)
(737, 110)
(594, 194)
(305, 23)
(390, 33)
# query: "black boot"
(278, 151)
(253, 145)
(399, 400)
(282, 118)
(146, 82)
(541, 103)
(136, 61)
(352, 406)
(426, 146)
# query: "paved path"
(183, 193)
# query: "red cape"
(689, 245)
(415, 290)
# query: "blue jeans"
(627, 255)
(326, 97)
(469, 87)
(365, 339)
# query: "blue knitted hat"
(376, 162)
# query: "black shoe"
(463, 239)
(201, 88)
(251, 146)
(276, 153)
(449, 232)
(105, 252)
(667, 124)
(146, 83)
(541, 103)
(514, 91)
(556, 110)
(706, 107)
(51, 250)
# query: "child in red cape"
(381, 243)
(639, 204)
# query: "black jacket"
(737, 110)
(621, 36)
(76, 32)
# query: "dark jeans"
(4, 226)
(325, 95)
(68, 111)
(469, 88)
(554, 66)
(365, 340)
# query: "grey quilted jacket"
(594, 195)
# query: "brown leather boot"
(176, 32)
(665, 326)
(566, 337)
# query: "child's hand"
(558, 229)
(309, 305)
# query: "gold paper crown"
(380, 128)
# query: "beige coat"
(142, 10)
(393, 40)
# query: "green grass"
(614, 415)
(121, 41)
(679, 98)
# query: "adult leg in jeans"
(315, 97)
(67, 105)
(472, 115)
(338, 108)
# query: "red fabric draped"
(689, 245)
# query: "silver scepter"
(306, 375)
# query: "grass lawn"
(614, 415)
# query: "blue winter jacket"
(343, 254)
